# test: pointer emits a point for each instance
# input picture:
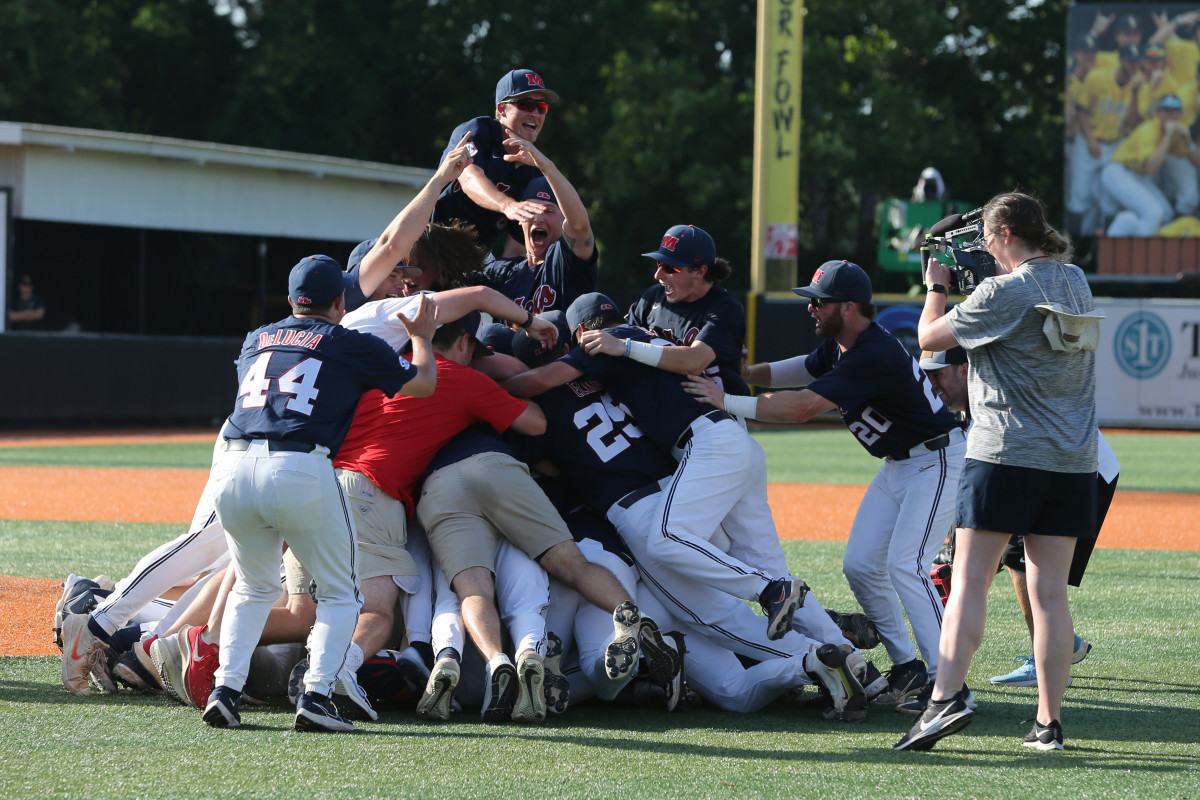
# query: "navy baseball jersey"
(882, 394)
(596, 443)
(657, 398)
(551, 286)
(487, 152)
(300, 380)
(353, 295)
(717, 319)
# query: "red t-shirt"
(392, 440)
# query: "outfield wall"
(99, 380)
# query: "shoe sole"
(135, 675)
(500, 698)
(1045, 747)
(621, 655)
(531, 695)
(167, 658)
(662, 661)
(554, 683)
(854, 704)
(1002, 682)
(781, 624)
(435, 703)
(927, 740)
(296, 681)
(1077, 656)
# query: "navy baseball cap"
(470, 322)
(316, 281)
(945, 358)
(521, 82)
(586, 306)
(1084, 43)
(838, 280)
(685, 246)
(360, 252)
(497, 337)
(528, 349)
(1128, 22)
(539, 190)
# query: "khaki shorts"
(467, 506)
(379, 521)
(380, 526)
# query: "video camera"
(972, 262)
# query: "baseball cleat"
(200, 665)
(676, 688)
(555, 683)
(350, 698)
(77, 598)
(135, 670)
(531, 695)
(169, 654)
(1082, 648)
(937, 721)
(1045, 737)
(500, 694)
(221, 711)
(868, 674)
(296, 680)
(904, 681)
(435, 702)
(316, 712)
(779, 601)
(621, 655)
(826, 666)
(82, 651)
(857, 628)
(663, 660)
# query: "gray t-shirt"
(1033, 406)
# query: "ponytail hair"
(1026, 219)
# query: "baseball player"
(703, 326)
(1158, 150)
(720, 476)
(300, 381)
(560, 260)
(1177, 36)
(947, 371)
(598, 445)
(488, 193)
(885, 401)
(1100, 113)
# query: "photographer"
(1032, 387)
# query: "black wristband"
(937, 287)
(528, 320)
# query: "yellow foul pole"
(776, 152)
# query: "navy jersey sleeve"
(355, 298)
(724, 329)
(639, 312)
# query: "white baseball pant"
(1144, 208)
(901, 522)
(264, 499)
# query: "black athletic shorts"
(1020, 500)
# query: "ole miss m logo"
(817, 275)
(535, 80)
(669, 242)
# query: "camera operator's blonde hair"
(1026, 219)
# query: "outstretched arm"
(577, 226)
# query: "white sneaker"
(81, 648)
(1082, 648)
(346, 688)
(435, 703)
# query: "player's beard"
(831, 327)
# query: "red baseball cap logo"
(535, 80)
(817, 275)
(669, 242)
(544, 196)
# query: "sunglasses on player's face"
(821, 302)
(529, 106)
(667, 268)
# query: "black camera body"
(972, 262)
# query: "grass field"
(1132, 717)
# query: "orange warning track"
(1137, 520)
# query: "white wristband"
(741, 406)
(644, 352)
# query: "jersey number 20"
(299, 381)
